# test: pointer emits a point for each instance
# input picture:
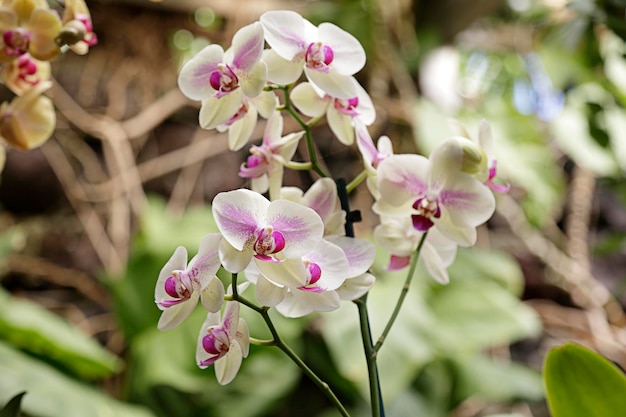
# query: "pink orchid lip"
(269, 241)
(16, 41)
(223, 80)
(315, 289)
(319, 56)
(347, 106)
(427, 210)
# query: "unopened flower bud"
(72, 32)
(28, 121)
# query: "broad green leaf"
(582, 383)
(33, 328)
(476, 264)
(472, 316)
(571, 131)
(53, 394)
(494, 381)
(12, 409)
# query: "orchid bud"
(29, 120)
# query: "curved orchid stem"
(307, 134)
(278, 342)
(403, 293)
(356, 181)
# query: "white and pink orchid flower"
(179, 285)
(241, 125)
(340, 113)
(434, 192)
(315, 281)
(360, 254)
(485, 142)
(265, 164)
(396, 236)
(252, 226)
(221, 79)
(328, 54)
(372, 155)
(223, 343)
(321, 197)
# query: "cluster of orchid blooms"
(32, 35)
(292, 246)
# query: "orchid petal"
(301, 303)
(174, 315)
(207, 261)
(227, 367)
(341, 125)
(268, 293)
(356, 287)
(434, 265)
(238, 214)
(240, 132)
(178, 261)
(322, 197)
(462, 235)
(466, 200)
(265, 103)
(260, 184)
(194, 76)
(247, 47)
(289, 273)
(242, 336)
(280, 70)
(253, 82)
(216, 111)
(402, 177)
(332, 83)
(212, 296)
(360, 254)
(301, 227)
(349, 55)
(333, 262)
(233, 260)
(287, 32)
(306, 99)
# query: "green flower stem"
(278, 342)
(376, 395)
(298, 166)
(259, 342)
(403, 293)
(355, 182)
(307, 134)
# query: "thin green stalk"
(355, 182)
(403, 293)
(278, 342)
(376, 396)
(307, 134)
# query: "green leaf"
(476, 264)
(496, 381)
(33, 328)
(53, 394)
(12, 409)
(582, 383)
(472, 316)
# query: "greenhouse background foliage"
(112, 158)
